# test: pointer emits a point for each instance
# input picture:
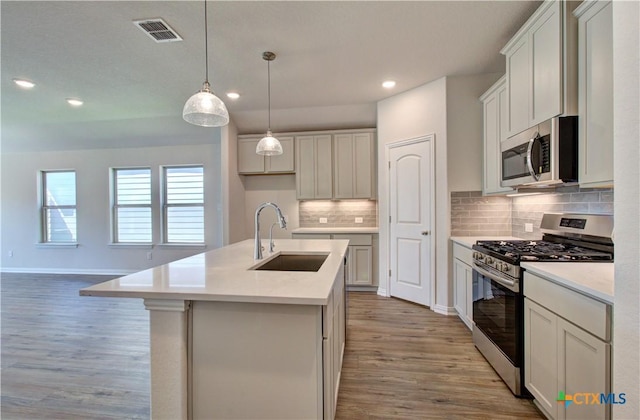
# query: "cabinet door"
(249, 162)
(495, 119)
(323, 167)
(360, 265)
(545, 39)
(462, 293)
(518, 86)
(283, 163)
(540, 356)
(343, 173)
(305, 175)
(460, 288)
(583, 364)
(595, 55)
(363, 166)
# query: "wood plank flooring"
(403, 361)
(66, 356)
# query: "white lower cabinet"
(463, 283)
(567, 350)
(362, 264)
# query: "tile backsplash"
(475, 215)
(530, 208)
(338, 213)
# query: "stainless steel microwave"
(546, 154)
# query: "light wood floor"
(66, 356)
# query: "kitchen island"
(228, 341)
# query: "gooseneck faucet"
(257, 252)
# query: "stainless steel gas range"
(498, 301)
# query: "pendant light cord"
(206, 45)
(269, 91)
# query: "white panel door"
(410, 225)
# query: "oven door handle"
(509, 284)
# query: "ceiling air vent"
(158, 30)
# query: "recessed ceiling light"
(27, 84)
(233, 95)
(74, 101)
(388, 84)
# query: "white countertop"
(592, 279)
(224, 274)
(468, 241)
(330, 230)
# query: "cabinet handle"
(425, 232)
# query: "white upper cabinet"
(250, 163)
(595, 93)
(335, 165)
(494, 105)
(314, 178)
(353, 171)
(542, 67)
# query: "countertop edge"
(212, 267)
(542, 270)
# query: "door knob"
(425, 232)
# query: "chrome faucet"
(257, 252)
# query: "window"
(132, 222)
(183, 206)
(59, 207)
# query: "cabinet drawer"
(463, 253)
(581, 310)
(354, 239)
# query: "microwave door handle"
(529, 157)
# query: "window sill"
(182, 246)
(61, 245)
(125, 245)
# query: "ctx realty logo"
(590, 398)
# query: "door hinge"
(389, 219)
(389, 273)
(389, 164)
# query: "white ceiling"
(331, 59)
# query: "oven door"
(498, 313)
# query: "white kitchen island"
(230, 342)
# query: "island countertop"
(224, 274)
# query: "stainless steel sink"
(293, 262)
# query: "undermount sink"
(293, 262)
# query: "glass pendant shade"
(205, 109)
(269, 146)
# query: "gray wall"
(20, 213)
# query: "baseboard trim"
(383, 292)
(444, 310)
(85, 271)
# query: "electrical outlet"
(323, 220)
(149, 255)
(528, 227)
(359, 220)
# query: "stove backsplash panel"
(529, 209)
(475, 215)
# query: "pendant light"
(269, 145)
(204, 108)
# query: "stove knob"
(489, 260)
(505, 268)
